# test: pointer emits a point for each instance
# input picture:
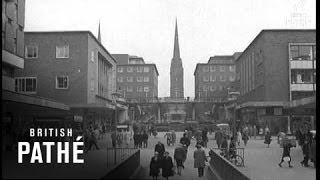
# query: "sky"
(145, 28)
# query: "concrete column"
(159, 117)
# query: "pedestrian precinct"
(199, 160)
(180, 155)
(159, 147)
(286, 152)
(155, 165)
(267, 139)
(167, 166)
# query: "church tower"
(176, 70)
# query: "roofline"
(148, 64)
(269, 30)
(87, 32)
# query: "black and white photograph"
(159, 89)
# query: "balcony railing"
(175, 100)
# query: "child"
(286, 151)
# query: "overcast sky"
(146, 27)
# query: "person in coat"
(205, 137)
(155, 165)
(313, 151)
(218, 137)
(239, 137)
(185, 140)
(180, 155)
(245, 137)
(267, 139)
(199, 160)
(224, 146)
(160, 149)
(286, 151)
(167, 165)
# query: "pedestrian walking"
(92, 140)
(167, 166)
(199, 160)
(245, 137)
(267, 138)
(145, 139)
(168, 135)
(180, 155)
(159, 147)
(313, 151)
(155, 165)
(219, 138)
(114, 139)
(140, 139)
(224, 146)
(205, 137)
(286, 152)
(307, 139)
(185, 140)
(135, 140)
(174, 137)
(239, 137)
(254, 131)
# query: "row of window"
(211, 88)
(222, 68)
(32, 51)
(139, 89)
(138, 69)
(221, 78)
(139, 79)
(302, 52)
(29, 84)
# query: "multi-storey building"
(213, 79)
(276, 70)
(72, 67)
(20, 110)
(136, 80)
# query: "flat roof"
(149, 64)
(272, 30)
(72, 32)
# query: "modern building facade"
(213, 79)
(136, 80)
(72, 67)
(276, 68)
(176, 70)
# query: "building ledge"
(12, 59)
(32, 100)
(262, 104)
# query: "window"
(222, 68)
(146, 69)
(92, 56)
(129, 79)
(222, 78)
(139, 69)
(129, 89)
(212, 78)
(139, 79)
(120, 69)
(62, 51)
(205, 69)
(232, 78)
(205, 78)
(205, 88)
(139, 89)
(146, 89)
(31, 52)
(62, 82)
(212, 68)
(300, 52)
(120, 79)
(212, 88)
(26, 84)
(129, 69)
(232, 68)
(146, 79)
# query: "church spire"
(99, 35)
(176, 50)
